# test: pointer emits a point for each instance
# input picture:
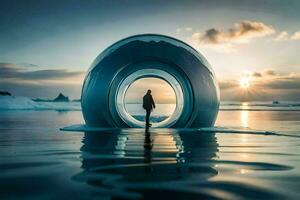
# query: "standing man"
(148, 105)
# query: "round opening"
(166, 91)
(163, 96)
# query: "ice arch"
(150, 55)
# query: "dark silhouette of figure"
(148, 105)
(148, 145)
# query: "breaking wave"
(25, 103)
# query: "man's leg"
(147, 117)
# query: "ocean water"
(37, 161)
(25, 103)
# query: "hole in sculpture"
(163, 95)
(167, 93)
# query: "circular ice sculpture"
(150, 55)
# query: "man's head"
(149, 92)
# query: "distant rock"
(2, 93)
(61, 98)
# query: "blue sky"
(257, 40)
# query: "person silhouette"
(148, 105)
(148, 145)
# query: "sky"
(159, 88)
(47, 46)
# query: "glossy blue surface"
(150, 51)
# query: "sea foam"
(25, 103)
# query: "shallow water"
(37, 161)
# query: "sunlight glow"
(245, 82)
(162, 91)
(244, 171)
(244, 118)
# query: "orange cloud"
(240, 32)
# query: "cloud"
(240, 32)
(30, 80)
(187, 29)
(19, 65)
(228, 84)
(283, 36)
(289, 81)
(296, 36)
(264, 73)
(257, 74)
(270, 72)
(226, 40)
(19, 72)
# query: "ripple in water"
(172, 163)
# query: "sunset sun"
(245, 82)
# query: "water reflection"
(244, 115)
(148, 145)
(130, 163)
(245, 118)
